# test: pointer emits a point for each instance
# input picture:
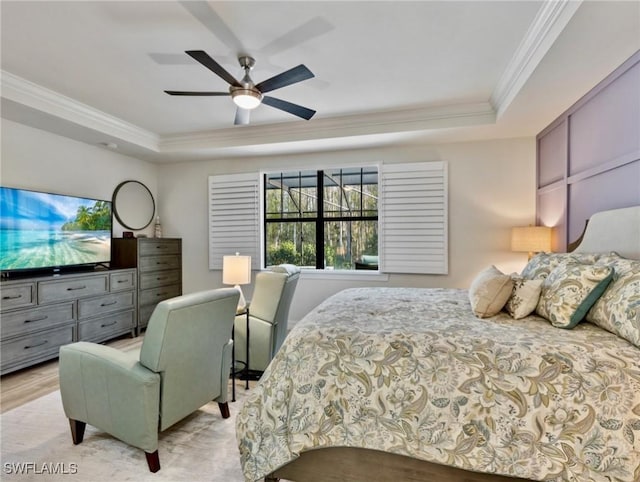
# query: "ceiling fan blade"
(184, 92)
(202, 57)
(242, 117)
(205, 14)
(313, 28)
(291, 76)
(294, 109)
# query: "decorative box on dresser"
(159, 264)
(40, 314)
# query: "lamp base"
(242, 302)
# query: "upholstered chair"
(183, 364)
(268, 316)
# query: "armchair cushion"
(266, 295)
(183, 341)
(112, 391)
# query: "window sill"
(344, 275)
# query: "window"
(326, 219)
(345, 214)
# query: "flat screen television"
(45, 232)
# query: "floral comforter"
(413, 372)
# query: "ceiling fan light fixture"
(246, 98)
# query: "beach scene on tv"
(42, 230)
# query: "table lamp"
(531, 239)
(236, 270)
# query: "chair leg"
(153, 461)
(224, 409)
(77, 430)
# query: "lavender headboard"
(589, 157)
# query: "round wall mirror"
(133, 205)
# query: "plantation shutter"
(234, 217)
(413, 221)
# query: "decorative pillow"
(618, 309)
(542, 264)
(524, 297)
(570, 290)
(489, 292)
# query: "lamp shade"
(531, 239)
(236, 270)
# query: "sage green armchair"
(183, 364)
(268, 316)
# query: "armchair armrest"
(224, 374)
(110, 389)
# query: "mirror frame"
(119, 215)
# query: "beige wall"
(38, 160)
(491, 188)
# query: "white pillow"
(524, 297)
(489, 292)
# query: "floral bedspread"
(413, 372)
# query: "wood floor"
(24, 385)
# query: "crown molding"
(27, 93)
(406, 120)
(40, 98)
(550, 21)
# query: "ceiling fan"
(247, 95)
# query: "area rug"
(36, 445)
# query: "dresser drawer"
(157, 263)
(159, 278)
(106, 327)
(105, 304)
(122, 281)
(29, 320)
(59, 289)
(38, 345)
(17, 296)
(153, 247)
(155, 295)
(144, 314)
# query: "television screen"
(41, 230)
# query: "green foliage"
(294, 216)
(285, 252)
(93, 218)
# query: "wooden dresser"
(40, 314)
(159, 264)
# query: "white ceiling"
(385, 72)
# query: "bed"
(408, 384)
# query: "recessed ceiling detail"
(383, 72)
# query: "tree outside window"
(333, 212)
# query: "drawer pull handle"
(71, 288)
(109, 304)
(14, 297)
(161, 294)
(160, 246)
(44, 317)
(122, 281)
(34, 346)
(161, 263)
(161, 278)
(104, 325)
